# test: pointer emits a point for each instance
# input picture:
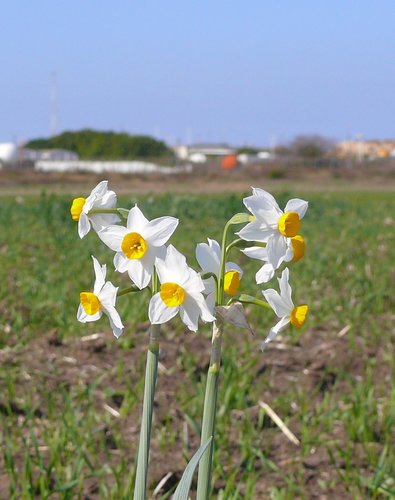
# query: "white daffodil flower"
(99, 198)
(138, 244)
(102, 300)
(284, 308)
(295, 251)
(180, 291)
(209, 259)
(271, 225)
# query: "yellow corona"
(134, 246)
(172, 294)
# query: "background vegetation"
(98, 145)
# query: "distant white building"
(246, 158)
(53, 155)
(8, 152)
(198, 153)
(99, 167)
(12, 154)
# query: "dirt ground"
(313, 363)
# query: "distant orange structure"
(366, 149)
(229, 162)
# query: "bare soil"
(312, 364)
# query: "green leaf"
(182, 491)
(67, 486)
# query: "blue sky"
(257, 72)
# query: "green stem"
(234, 243)
(209, 412)
(103, 211)
(151, 370)
(220, 289)
(239, 243)
(248, 299)
(131, 289)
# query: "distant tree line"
(98, 145)
(304, 147)
(247, 150)
(308, 147)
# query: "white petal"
(176, 262)
(116, 330)
(210, 301)
(297, 205)
(276, 250)
(100, 189)
(151, 254)
(136, 220)
(139, 272)
(265, 274)
(107, 200)
(157, 252)
(255, 231)
(232, 266)
(209, 256)
(276, 302)
(264, 209)
(83, 225)
(193, 283)
(269, 197)
(89, 202)
(174, 258)
(285, 288)
(112, 236)
(100, 275)
(275, 330)
(101, 221)
(189, 313)
(215, 247)
(209, 286)
(108, 295)
(83, 317)
(121, 262)
(164, 273)
(259, 253)
(158, 231)
(115, 320)
(158, 312)
(289, 255)
(200, 301)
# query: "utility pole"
(54, 111)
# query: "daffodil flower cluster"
(141, 252)
(279, 231)
(213, 295)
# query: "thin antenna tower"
(54, 110)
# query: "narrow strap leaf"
(182, 491)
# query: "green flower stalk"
(209, 413)
(151, 372)
(210, 398)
